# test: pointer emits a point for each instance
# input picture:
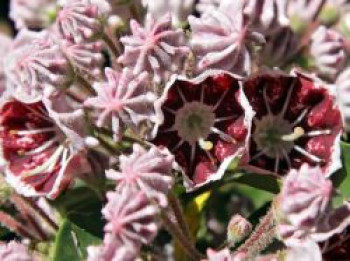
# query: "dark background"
(4, 8)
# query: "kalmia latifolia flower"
(305, 196)
(221, 40)
(131, 218)
(112, 250)
(179, 9)
(266, 16)
(32, 14)
(42, 153)
(206, 124)
(148, 171)
(328, 51)
(14, 251)
(79, 20)
(155, 48)
(5, 46)
(86, 58)
(297, 121)
(124, 100)
(343, 94)
(35, 63)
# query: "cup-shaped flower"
(14, 251)
(206, 124)
(34, 63)
(297, 121)
(156, 48)
(124, 100)
(305, 196)
(328, 51)
(79, 20)
(32, 14)
(221, 40)
(39, 148)
(148, 171)
(131, 217)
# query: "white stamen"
(267, 105)
(178, 145)
(41, 148)
(182, 96)
(32, 132)
(225, 119)
(286, 157)
(307, 154)
(301, 117)
(318, 133)
(220, 100)
(193, 153)
(287, 101)
(222, 135)
(277, 162)
(169, 110)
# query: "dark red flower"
(39, 158)
(206, 124)
(297, 121)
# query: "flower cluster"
(173, 117)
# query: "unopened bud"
(238, 228)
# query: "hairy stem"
(180, 217)
(176, 232)
(15, 226)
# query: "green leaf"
(71, 242)
(341, 179)
(259, 181)
(83, 207)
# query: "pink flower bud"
(238, 228)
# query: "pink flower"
(222, 255)
(32, 14)
(328, 51)
(221, 40)
(42, 153)
(343, 91)
(124, 101)
(156, 48)
(5, 46)
(267, 16)
(14, 251)
(131, 218)
(305, 196)
(78, 20)
(33, 64)
(148, 171)
(86, 58)
(206, 124)
(204, 5)
(297, 121)
(179, 9)
(112, 250)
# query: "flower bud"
(238, 228)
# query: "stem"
(262, 236)
(180, 217)
(113, 47)
(85, 84)
(176, 232)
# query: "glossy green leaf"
(71, 242)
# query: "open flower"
(206, 124)
(32, 14)
(297, 121)
(305, 196)
(35, 63)
(124, 101)
(221, 40)
(131, 218)
(41, 151)
(148, 171)
(156, 48)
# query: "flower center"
(275, 136)
(193, 122)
